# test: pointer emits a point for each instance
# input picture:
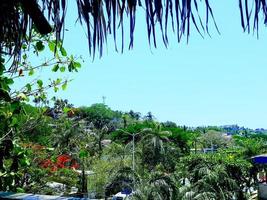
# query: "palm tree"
(122, 178)
(214, 177)
(215, 183)
(104, 17)
(153, 146)
(156, 186)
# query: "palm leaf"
(103, 17)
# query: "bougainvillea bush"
(64, 161)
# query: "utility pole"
(133, 162)
(104, 99)
(133, 153)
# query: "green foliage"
(218, 176)
(250, 146)
(22, 124)
(122, 136)
(39, 46)
(180, 137)
(99, 115)
(157, 185)
(13, 163)
(120, 148)
(213, 138)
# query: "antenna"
(104, 99)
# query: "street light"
(133, 149)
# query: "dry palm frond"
(103, 17)
(19, 17)
(250, 11)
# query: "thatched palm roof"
(102, 17)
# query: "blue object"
(31, 198)
(260, 159)
(126, 191)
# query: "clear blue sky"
(212, 81)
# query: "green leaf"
(15, 107)
(58, 81)
(24, 46)
(77, 64)
(62, 69)
(40, 83)
(64, 86)
(31, 72)
(55, 89)
(43, 96)
(66, 109)
(55, 68)
(20, 190)
(52, 46)
(24, 161)
(70, 66)
(3, 84)
(83, 154)
(29, 87)
(9, 81)
(39, 46)
(4, 95)
(2, 60)
(2, 69)
(63, 51)
(14, 121)
(24, 56)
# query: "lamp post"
(133, 151)
(133, 154)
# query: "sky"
(218, 80)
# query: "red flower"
(46, 163)
(53, 168)
(62, 159)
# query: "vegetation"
(94, 148)
(167, 162)
(101, 151)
